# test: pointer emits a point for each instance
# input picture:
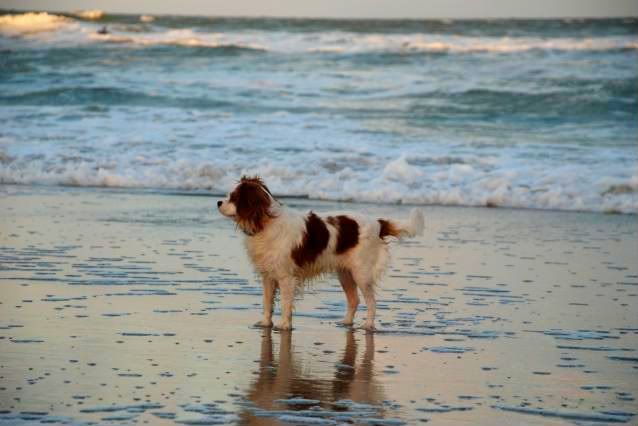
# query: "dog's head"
(249, 205)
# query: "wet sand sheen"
(130, 307)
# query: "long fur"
(288, 247)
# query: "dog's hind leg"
(270, 287)
(368, 295)
(365, 282)
(350, 289)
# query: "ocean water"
(514, 113)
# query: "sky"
(347, 8)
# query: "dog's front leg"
(287, 293)
(270, 287)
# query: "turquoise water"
(532, 114)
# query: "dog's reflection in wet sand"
(286, 376)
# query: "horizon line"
(333, 18)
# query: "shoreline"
(305, 198)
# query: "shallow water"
(130, 307)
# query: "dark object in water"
(103, 30)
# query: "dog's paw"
(368, 327)
(263, 324)
(283, 327)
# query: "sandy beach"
(132, 307)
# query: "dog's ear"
(252, 200)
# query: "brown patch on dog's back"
(315, 240)
(348, 235)
(387, 229)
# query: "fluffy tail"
(399, 228)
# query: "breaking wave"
(31, 23)
(91, 15)
(469, 181)
(184, 38)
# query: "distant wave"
(427, 43)
(107, 96)
(522, 44)
(31, 23)
(147, 33)
(186, 38)
(91, 15)
(348, 43)
(567, 98)
(603, 98)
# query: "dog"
(288, 247)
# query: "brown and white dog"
(288, 247)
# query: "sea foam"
(447, 185)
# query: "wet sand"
(120, 308)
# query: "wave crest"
(185, 38)
(32, 22)
(107, 96)
(91, 15)
(513, 45)
(352, 43)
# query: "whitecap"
(91, 15)
(32, 22)
(182, 37)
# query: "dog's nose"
(219, 204)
